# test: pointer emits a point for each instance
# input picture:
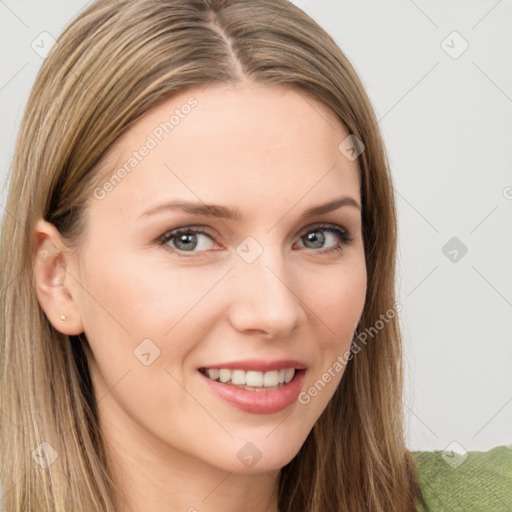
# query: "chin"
(258, 456)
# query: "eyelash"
(343, 236)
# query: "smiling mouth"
(251, 380)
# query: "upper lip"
(259, 365)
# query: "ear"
(51, 259)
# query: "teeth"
(224, 375)
(251, 378)
(213, 374)
(270, 379)
(288, 375)
(238, 377)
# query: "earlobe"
(50, 268)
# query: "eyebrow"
(223, 212)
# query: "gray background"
(446, 119)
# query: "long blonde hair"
(113, 63)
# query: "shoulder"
(474, 481)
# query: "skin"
(270, 153)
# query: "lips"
(256, 386)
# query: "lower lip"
(259, 402)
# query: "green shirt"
(474, 482)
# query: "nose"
(264, 298)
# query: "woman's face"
(270, 293)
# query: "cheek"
(338, 303)
(143, 298)
(338, 300)
(134, 308)
(137, 313)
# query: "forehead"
(207, 143)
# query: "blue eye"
(188, 239)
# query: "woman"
(201, 230)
